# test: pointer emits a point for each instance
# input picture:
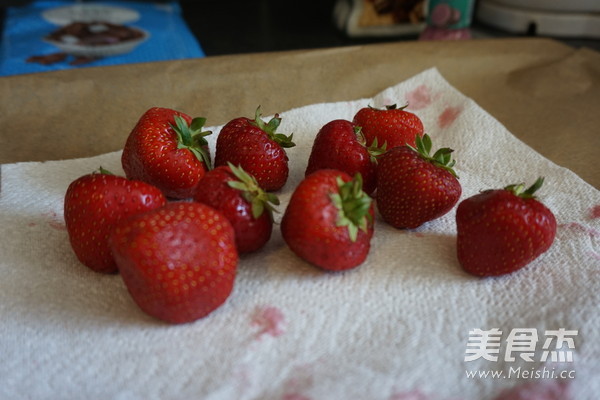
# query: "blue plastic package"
(24, 48)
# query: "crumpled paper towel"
(397, 327)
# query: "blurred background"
(221, 27)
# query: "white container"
(574, 18)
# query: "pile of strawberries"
(175, 225)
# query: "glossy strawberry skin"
(394, 127)
(93, 204)
(251, 233)
(411, 190)
(499, 233)
(309, 225)
(337, 146)
(178, 261)
(244, 144)
(151, 154)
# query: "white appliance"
(560, 18)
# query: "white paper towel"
(397, 327)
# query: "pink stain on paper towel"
(55, 221)
(412, 395)
(419, 98)
(552, 390)
(448, 116)
(576, 227)
(270, 321)
(595, 212)
(295, 396)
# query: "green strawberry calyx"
(259, 199)
(389, 107)
(441, 158)
(353, 205)
(192, 137)
(270, 128)
(529, 193)
(374, 149)
(103, 171)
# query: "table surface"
(546, 93)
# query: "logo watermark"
(522, 345)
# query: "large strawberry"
(235, 193)
(413, 186)
(500, 231)
(256, 147)
(178, 261)
(329, 220)
(341, 145)
(94, 203)
(167, 149)
(390, 125)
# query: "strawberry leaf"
(353, 206)
(270, 129)
(259, 199)
(441, 158)
(192, 137)
(529, 193)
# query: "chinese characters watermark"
(523, 345)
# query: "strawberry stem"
(270, 129)
(441, 158)
(353, 205)
(259, 199)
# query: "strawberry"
(178, 261)
(93, 204)
(391, 126)
(256, 147)
(167, 149)
(341, 145)
(329, 220)
(414, 187)
(236, 194)
(500, 231)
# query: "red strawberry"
(257, 148)
(178, 261)
(167, 149)
(391, 126)
(500, 231)
(414, 187)
(329, 220)
(94, 203)
(341, 145)
(236, 194)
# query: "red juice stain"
(595, 212)
(551, 390)
(419, 98)
(448, 116)
(55, 222)
(270, 321)
(295, 396)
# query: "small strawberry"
(500, 231)
(329, 220)
(391, 126)
(94, 203)
(256, 147)
(178, 262)
(167, 149)
(236, 194)
(414, 187)
(341, 145)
